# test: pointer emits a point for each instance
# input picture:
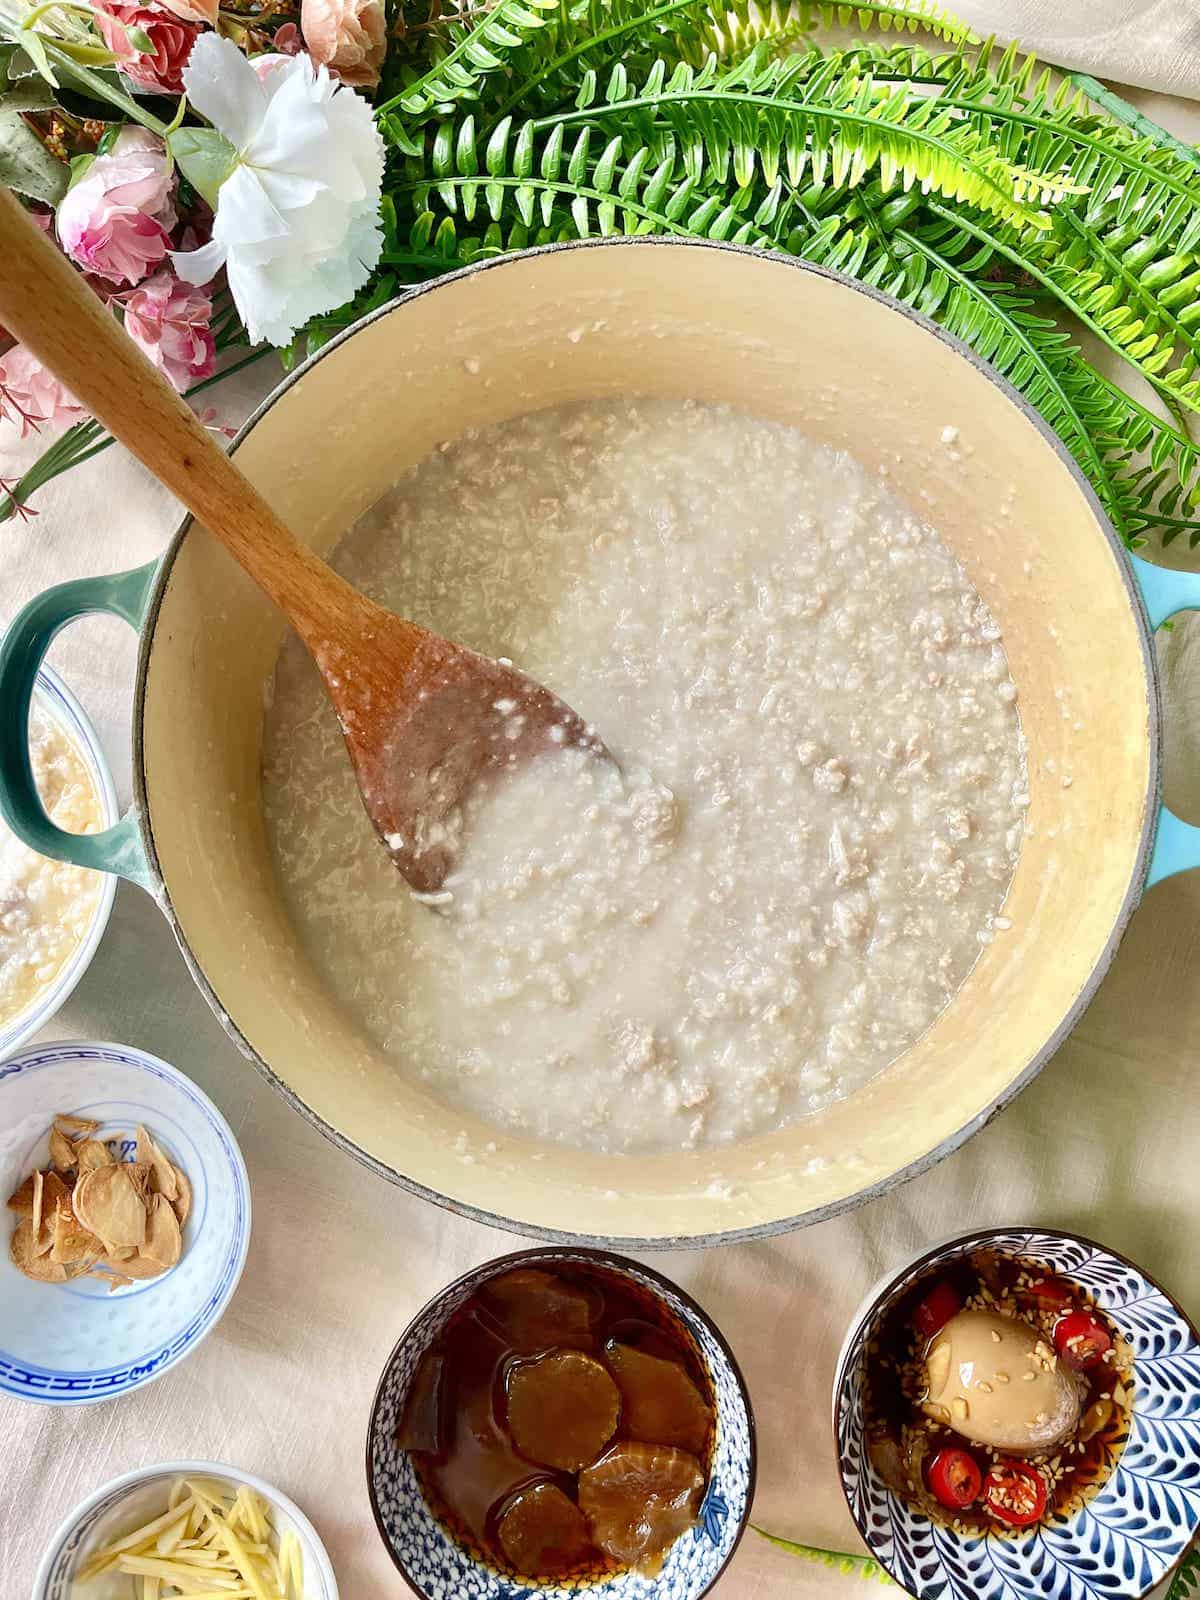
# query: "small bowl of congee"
(53, 914)
(878, 690)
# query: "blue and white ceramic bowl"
(76, 1343)
(53, 696)
(438, 1567)
(129, 1501)
(1134, 1528)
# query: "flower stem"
(54, 5)
(86, 439)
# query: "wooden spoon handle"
(46, 303)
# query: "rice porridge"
(819, 805)
(46, 907)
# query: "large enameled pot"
(767, 334)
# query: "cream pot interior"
(787, 343)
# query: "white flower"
(297, 220)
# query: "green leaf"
(79, 166)
(34, 48)
(25, 163)
(19, 70)
(205, 158)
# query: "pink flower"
(30, 395)
(115, 221)
(160, 68)
(169, 321)
(287, 40)
(347, 36)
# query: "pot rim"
(913, 1169)
(603, 1257)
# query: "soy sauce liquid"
(473, 1471)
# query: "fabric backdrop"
(1152, 43)
(1105, 1141)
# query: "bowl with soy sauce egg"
(1017, 1413)
(565, 1419)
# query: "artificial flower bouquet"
(226, 188)
(233, 176)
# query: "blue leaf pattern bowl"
(438, 1567)
(1126, 1537)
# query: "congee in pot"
(815, 817)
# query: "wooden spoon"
(424, 719)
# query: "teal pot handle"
(119, 848)
(1176, 843)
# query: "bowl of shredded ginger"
(185, 1528)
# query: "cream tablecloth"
(1107, 1141)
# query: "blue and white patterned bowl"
(439, 1568)
(76, 1343)
(1127, 1536)
(53, 696)
(129, 1501)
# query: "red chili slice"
(1082, 1340)
(1051, 1294)
(955, 1479)
(1015, 1494)
(934, 1312)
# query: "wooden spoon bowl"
(425, 720)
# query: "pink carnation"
(116, 220)
(347, 36)
(160, 68)
(169, 321)
(30, 395)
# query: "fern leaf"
(838, 139)
(899, 16)
(592, 37)
(1087, 293)
(602, 190)
(474, 52)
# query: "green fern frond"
(596, 33)
(1034, 118)
(898, 16)
(1086, 290)
(567, 190)
(837, 1560)
(1148, 298)
(471, 53)
(592, 36)
(761, 115)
